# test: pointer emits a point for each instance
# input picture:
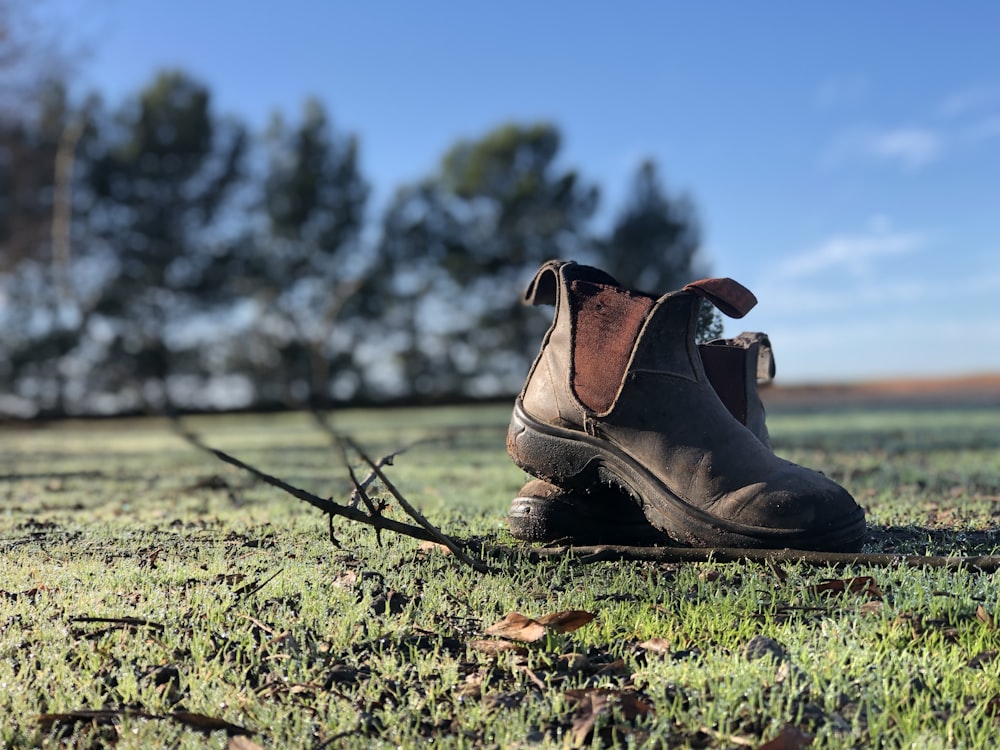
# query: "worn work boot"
(544, 512)
(619, 395)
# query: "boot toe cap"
(798, 508)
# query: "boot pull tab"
(731, 297)
(544, 288)
(765, 355)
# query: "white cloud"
(861, 305)
(966, 118)
(853, 253)
(968, 101)
(872, 327)
(796, 299)
(909, 147)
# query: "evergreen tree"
(43, 314)
(459, 249)
(653, 244)
(309, 261)
(161, 172)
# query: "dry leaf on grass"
(209, 723)
(106, 717)
(837, 587)
(496, 647)
(517, 627)
(98, 717)
(870, 608)
(657, 645)
(434, 547)
(346, 580)
(566, 621)
(985, 617)
(592, 702)
(589, 708)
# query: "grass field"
(151, 596)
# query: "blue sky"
(844, 157)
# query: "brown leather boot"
(544, 512)
(619, 394)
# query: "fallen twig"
(357, 495)
(114, 716)
(327, 506)
(359, 491)
(415, 514)
(375, 466)
(602, 553)
(426, 531)
(584, 554)
(120, 621)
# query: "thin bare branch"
(359, 490)
(358, 495)
(327, 506)
(603, 553)
(415, 514)
(584, 554)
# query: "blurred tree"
(161, 173)
(459, 248)
(28, 146)
(413, 306)
(653, 244)
(130, 277)
(43, 316)
(307, 263)
(33, 68)
(35, 53)
(39, 130)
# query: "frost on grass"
(146, 580)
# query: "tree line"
(157, 252)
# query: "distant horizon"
(986, 378)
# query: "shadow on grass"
(920, 540)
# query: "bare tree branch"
(359, 491)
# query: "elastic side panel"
(606, 322)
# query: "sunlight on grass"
(145, 579)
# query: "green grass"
(244, 611)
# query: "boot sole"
(576, 460)
(582, 521)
